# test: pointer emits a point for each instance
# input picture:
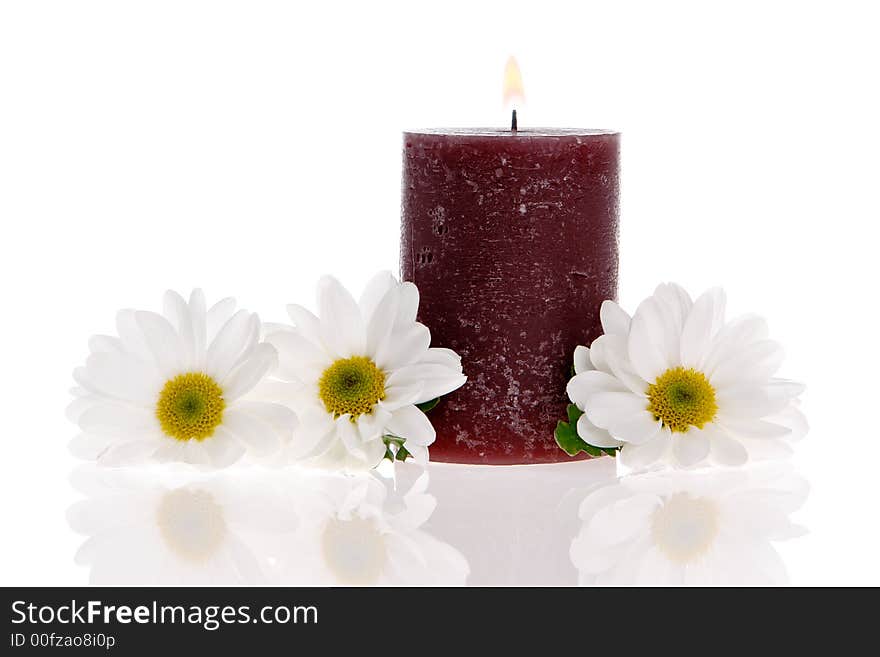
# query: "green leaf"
(402, 453)
(424, 407)
(571, 443)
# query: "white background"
(248, 147)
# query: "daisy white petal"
(441, 356)
(690, 448)
(251, 431)
(674, 309)
(648, 343)
(88, 446)
(412, 425)
(131, 452)
(374, 452)
(381, 321)
(268, 328)
(124, 420)
(597, 358)
(593, 435)
(724, 449)
(636, 428)
(615, 319)
(121, 376)
(614, 354)
(217, 316)
(409, 305)
(615, 522)
(436, 380)
(277, 392)
(404, 347)
(177, 312)
(199, 320)
(418, 452)
(342, 325)
(196, 454)
(347, 433)
(375, 291)
(591, 382)
(282, 420)
(757, 362)
(702, 324)
(372, 426)
(299, 359)
(753, 401)
(399, 396)
(748, 427)
(106, 343)
(80, 404)
(223, 449)
(313, 435)
(676, 301)
(582, 359)
(131, 335)
(231, 341)
(792, 418)
(605, 409)
(170, 451)
(306, 324)
(250, 372)
(734, 336)
(784, 389)
(162, 340)
(641, 456)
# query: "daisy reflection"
(365, 531)
(260, 526)
(151, 526)
(712, 527)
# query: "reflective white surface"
(559, 525)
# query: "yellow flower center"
(191, 523)
(354, 550)
(682, 398)
(190, 406)
(684, 528)
(351, 385)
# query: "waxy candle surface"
(511, 239)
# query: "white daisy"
(360, 368)
(702, 527)
(677, 383)
(174, 387)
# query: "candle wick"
(513, 121)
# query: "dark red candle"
(511, 238)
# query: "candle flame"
(513, 84)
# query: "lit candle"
(511, 238)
